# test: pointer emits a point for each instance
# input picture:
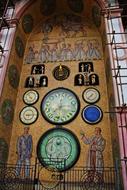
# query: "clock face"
(60, 106)
(31, 97)
(92, 114)
(28, 115)
(58, 148)
(91, 95)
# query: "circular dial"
(58, 148)
(30, 97)
(61, 72)
(28, 115)
(92, 114)
(91, 95)
(60, 106)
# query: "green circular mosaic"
(7, 111)
(19, 47)
(96, 15)
(27, 23)
(47, 7)
(58, 148)
(3, 151)
(13, 76)
(76, 5)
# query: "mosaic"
(27, 23)
(19, 47)
(7, 111)
(63, 48)
(13, 76)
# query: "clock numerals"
(50, 115)
(56, 118)
(73, 103)
(64, 94)
(60, 106)
(30, 97)
(51, 98)
(28, 115)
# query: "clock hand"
(90, 95)
(30, 96)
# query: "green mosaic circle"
(7, 111)
(13, 76)
(27, 23)
(3, 151)
(19, 47)
(58, 148)
(96, 15)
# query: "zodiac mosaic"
(7, 111)
(96, 14)
(27, 23)
(70, 26)
(13, 76)
(3, 151)
(19, 47)
(47, 7)
(87, 76)
(76, 5)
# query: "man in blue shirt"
(24, 152)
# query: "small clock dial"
(91, 95)
(92, 114)
(31, 97)
(58, 148)
(60, 106)
(61, 72)
(28, 115)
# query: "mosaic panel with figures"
(71, 44)
(64, 51)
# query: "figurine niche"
(38, 69)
